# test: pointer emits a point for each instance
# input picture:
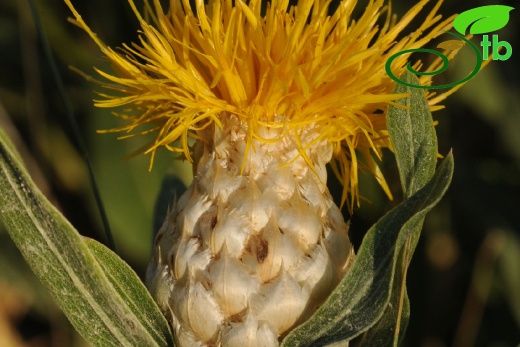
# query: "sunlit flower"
(261, 97)
(287, 68)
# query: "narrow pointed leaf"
(383, 332)
(361, 297)
(83, 288)
(131, 289)
(415, 143)
(413, 136)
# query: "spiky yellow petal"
(279, 67)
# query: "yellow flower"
(270, 95)
(271, 65)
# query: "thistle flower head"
(271, 65)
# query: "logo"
(480, 20)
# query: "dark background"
(464, 280)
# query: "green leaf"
(413, 136)
(131, 289)
(483, 19)
(101, 296)
(383, 333)
(361, 297)
(415, 142)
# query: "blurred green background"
(464, 281)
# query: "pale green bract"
(109, 306)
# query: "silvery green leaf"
(413, 136)
(415, 142)
(100, 295)
(131, 289)
(383, 333)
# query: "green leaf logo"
(483, 19)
